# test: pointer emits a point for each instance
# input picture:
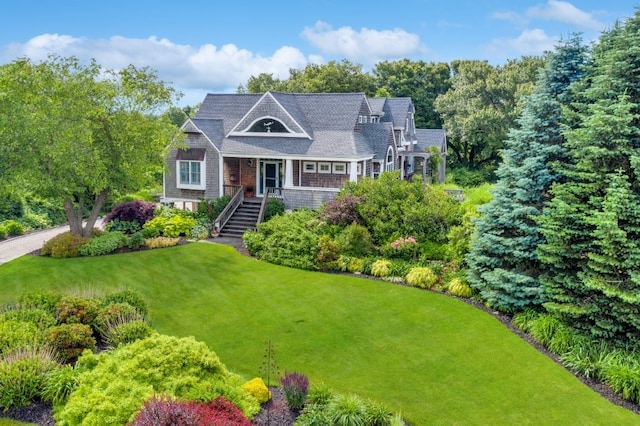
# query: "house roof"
(428, 138)
(320, 125)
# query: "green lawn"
(434, 358)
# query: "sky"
(209, 46)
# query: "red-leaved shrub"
(138, 210)
(164, 411)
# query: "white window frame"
(358, 168)
(324, 167)
(389, 165)
(309, 167)
(190, 185)
(339, 168)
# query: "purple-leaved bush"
(138, 210)
(295, 387)
(342, 211)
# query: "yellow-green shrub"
(422, 277)
(459, 288)
(258, 390)
(160, 242)
(381, 268)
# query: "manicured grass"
(434, 358)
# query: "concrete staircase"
(245, 217)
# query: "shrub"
(327, 252)
(459, 288)
(59, 383)
(622, 374)
(3, 232)
(275, 206)
(74, 309)
(295, 387)
(401, 248)
(221, 411)
(544, 327)
(70, 340)
(319, 394)
(41, 318)
(258, 390)
(13, 228)
(135, 240)
(341, 211)
(117, 225)
(201, 230)
(356, 265)
(377, 414)
(114, 384)
(314, 415)
(64, 245)
(381, 268)
(16, 335)
(130, 297)
(22, 376)
(104, 244)
(137, 211)
(422, 277)
(355, 240)
(211, 209)
(125, 331)
(163, 410)
(161, 242)
(172, 226)
(524, 320)
(40, 300)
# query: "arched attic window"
(268, 125)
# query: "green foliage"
(391, 208)
(422, 277)
(135, 240)
(106, 243)
(327, 252)
(355, 240)
(172, 226)
(295, 387)
(45, 300)
(123, 226)
(59, 383)
(114, 385)
(64, 245)
(290, 240)
(22, 376)
(70, 340)
(83, 106)
(211, 209)
(16, 335)
(347, 410)
(275, 206)
(161, 242)
(130, 297)
(11, 206)
(622, 374)
(13, 228)
(503, 261)
(126, 331)
(41, 318)
(201, 230)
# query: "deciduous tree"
(76, 133)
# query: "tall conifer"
(502, 261)
(591, 226)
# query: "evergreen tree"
(590, 256)
(503, 264)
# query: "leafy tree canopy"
(77, 132)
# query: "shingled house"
(302, 147)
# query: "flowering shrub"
(401, 248)
(295, 386)
(258, 389)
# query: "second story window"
(268, 125)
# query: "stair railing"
(237, 197)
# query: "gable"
(268, 117)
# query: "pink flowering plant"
(401, 248)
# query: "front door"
(270, 175)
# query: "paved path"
(15, 247)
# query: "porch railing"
(237, 197)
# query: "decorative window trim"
(309, 167)
(191, 173)
(339, 168)
(324, 167)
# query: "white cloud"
(565, 12)
(508, 15)
(366, 45)
(207, 68)
(529, 42)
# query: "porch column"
(353, 172)
(288, 173)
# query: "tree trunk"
(75, 214)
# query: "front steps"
(245, 217)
